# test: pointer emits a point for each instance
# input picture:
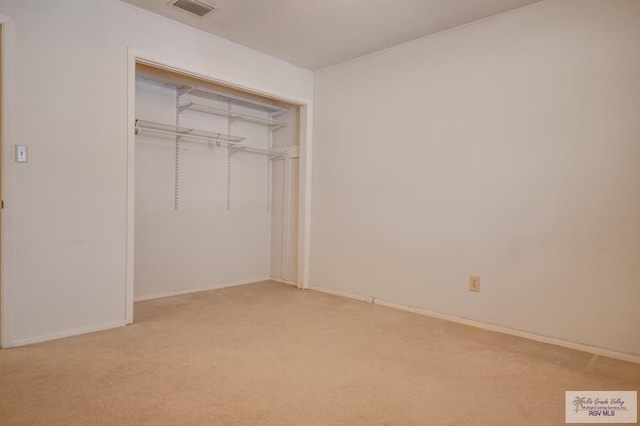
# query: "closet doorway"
(215, 186)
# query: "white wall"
(509, 149)
(70, 106)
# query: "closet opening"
(217, 179)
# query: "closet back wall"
(68, 74)
(202, 244)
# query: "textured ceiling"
(318, 33)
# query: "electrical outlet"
(474, 283)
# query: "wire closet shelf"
(187, 133)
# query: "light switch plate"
(474, 283)
(21, 154)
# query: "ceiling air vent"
(194, 7)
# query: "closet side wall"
(284, 237)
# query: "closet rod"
(244, 148)
(235, 146)
(188, 136)
(168, 129)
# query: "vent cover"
(194, 7)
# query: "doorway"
(212, 163)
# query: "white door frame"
(136, 56)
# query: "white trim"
(281, 281)
(199, 289)
(69, 333)
(208, 75)
(8, 140)
(485, 326)
(341, 293)
(304, 195)
(131, 185)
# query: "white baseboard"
(198, 289)
(91, 329)
(284, 281)
(68, 333)
(485, 326)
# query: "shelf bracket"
(236, 148)
(181, 108)
(183, 90)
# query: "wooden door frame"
(6, 181)
(1, 168)
(304, 191)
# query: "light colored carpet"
(270, 354)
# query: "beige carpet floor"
(270, 354)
